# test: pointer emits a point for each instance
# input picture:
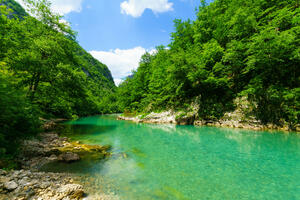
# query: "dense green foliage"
(18, 117)
(44, 72)
(59, 76)
(234, 48)
(16, 9)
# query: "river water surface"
(186, 162)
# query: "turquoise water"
(187, 162)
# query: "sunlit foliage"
(234, 48)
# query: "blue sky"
(119, 32)
(101, 25)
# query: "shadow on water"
(84, 166)
(86, 129)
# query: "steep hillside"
(54, 46)
(92, 67)
(96, 70)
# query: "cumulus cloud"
(120, 62)
(63, 7)
(136, 8)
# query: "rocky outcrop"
(158, 118)
(243, 117)
(252, 125)
(235, 119)
(167, 117)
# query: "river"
(186, 162)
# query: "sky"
(119, 32)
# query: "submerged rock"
(68, 157)
(80, 148)
(53, 157)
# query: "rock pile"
(24, 184)
(52, 148)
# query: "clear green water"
(187, 162)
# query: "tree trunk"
(35, 85)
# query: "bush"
(18, 118)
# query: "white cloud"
(66, 6)
(136, 8)
(63, 7)
(120, 62)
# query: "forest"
(234, 49)
(44, 73)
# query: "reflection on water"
(186, 162)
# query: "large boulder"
(34, 148)
(68, 157)
(11, 185)
(71, 191)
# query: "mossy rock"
(86, 151)
(77, 148)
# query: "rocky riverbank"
(232, 120)
(49, 147)
(32, 184)
(167, 117)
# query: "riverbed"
(185, 162)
